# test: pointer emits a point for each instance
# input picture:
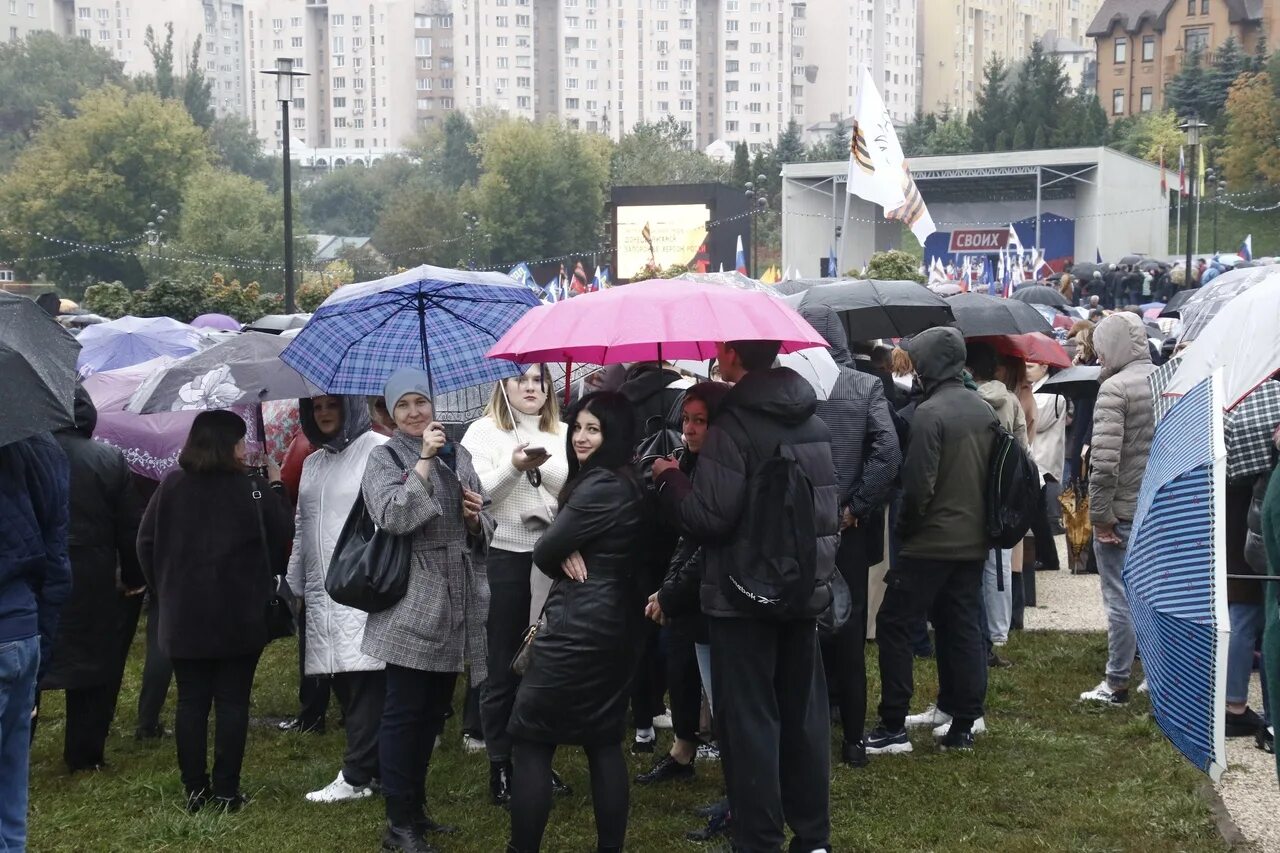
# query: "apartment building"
(496, 54)
(18, 18)
(956, 39)
(579, 61)
(1142, 44)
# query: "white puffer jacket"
(330, 483)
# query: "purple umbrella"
(150, 443)
(220, 322)
(133, 340)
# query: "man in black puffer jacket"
(771, 694)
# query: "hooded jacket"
(944, 474)
(105, 511)
(1007, 407)
(864, 442)
(1123, 419)
(654, 392)
(331, 477)
(778, 405)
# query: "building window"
(731, 66)
(571, 103)
(1117, 102)
(1191, 7)
(340, 121)
(1148, 48)
(339, 103)
(1121, 50)
(296, 41)
(338, 45)
(337, 20)
(1204, 7)
(686, 44)
(1146, 99)
(423, 84)
(339, 82)
(426, 103)
(422, 22)
(1197, 41)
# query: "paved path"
(1067, 602)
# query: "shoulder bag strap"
(257, 495)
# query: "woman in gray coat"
(422, 485)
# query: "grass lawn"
(1050, 775)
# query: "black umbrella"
(978, 315)
(878, 309)
(1079, 381)
(1130, 260)
(38, 363)
(1085, 270)
(1149, 265)
(1173, 308)
(277, 323)
(1039, 294)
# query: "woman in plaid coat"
(422, 485)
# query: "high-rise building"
(956, 39)
(19, 18)
(497, 55)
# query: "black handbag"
(370, 567)
(280, 621)
(838, 612)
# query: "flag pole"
(844, 232)
(1177, 231)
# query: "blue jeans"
(1122, 641)
(19, 661)
(1246, 628)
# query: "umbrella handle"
(568, 366)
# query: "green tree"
(94, 179)
(661, 152)
(914, 138)
(1038, 97)
(350, 201)
(450, 153)
(229, 216)
(1147, 135)
(1019, 141)
(236, 147)
(542, 189)
(46, 72)
(1251, 154)
(892, 265)
(108, 299)
(421, 226)
(741, 164)
(834, 147)
(950, 137)
(182, 299)
(990, 115)
(163, 81)
(197, 90)
(1201, 87)
(193, 89)
(789, 148)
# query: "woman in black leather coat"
(577, 686)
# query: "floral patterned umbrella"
(242, 370)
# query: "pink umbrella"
(652, 321)
(221, 322)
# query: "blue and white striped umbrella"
(439, 319)
(1175, 577)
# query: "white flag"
(877, 168)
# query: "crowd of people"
(707, 556)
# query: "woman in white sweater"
(518, 451)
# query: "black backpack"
(1013, 494)
(780, 527)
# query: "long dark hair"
(211, 444)
(617, 423)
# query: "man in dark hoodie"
(35, 580)
(99, 618)
(864, 447)
(771, 695)
(944, 546)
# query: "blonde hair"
(900, 362)
(499, 407)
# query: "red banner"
(978, 240)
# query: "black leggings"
(531, 793)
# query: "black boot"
(558, 786)
(426, 826)
(500, 783)
(405, 839)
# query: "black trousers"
(361, 695)
(951, 591)
(313, 690)
(775, 731)
(89, 714)
(223, 684)
(683, 680)
(531, 794)
(157, 673)
(509, 600)
(649, 685)
(845, 654)
(413, 714)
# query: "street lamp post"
(756, 198)
(1192, 129)
(284, 74)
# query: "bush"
(649, 271)
(232, 298)
(108, 299)
(892, 265)
(181, 300)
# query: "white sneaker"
(1143, 688)
(339, 791)
(662, 721)
(1103, 694)
(472, 744)
(931, 717)
(979, 728)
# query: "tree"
(542, 189)
(108, 299)
(237, 148)
(1201, 87)
(1250, 154)
(421, 226)
(656, 153)
(1019, 141)
(834, 147)
(46, 72)
(235, 220)
(182, 299)
(914, 138)
(193, 89)
(162, 60)
(1147, 135)
(892, 265)
(350, 201)
(94, 179)
(990, 115)
(789, 148)
(950, 137)
(741, 164)
(197, 90)
(450, 153)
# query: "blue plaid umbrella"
(438, 319)
(1175, 577)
